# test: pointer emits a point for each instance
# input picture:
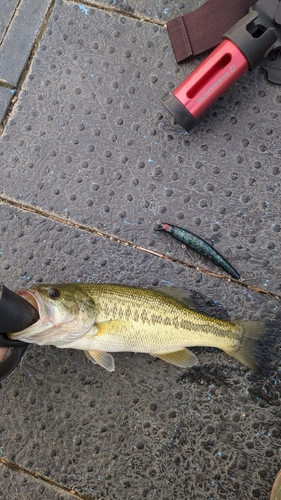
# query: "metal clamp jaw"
(16, 314)
(244, 47)
(252, 38)
(269, 12)
(269, 16)
(13, 357)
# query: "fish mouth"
(53, 327)
(31, 298)
(41, 306)
(34, 299)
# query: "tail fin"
(250, 351)
(276, 489)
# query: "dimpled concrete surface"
(148, 430)
(158, 11)
(89, 139)
(17, 485)
(88, 147)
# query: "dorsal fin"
(178, 294)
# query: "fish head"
(66, 312)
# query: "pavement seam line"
(42, 31)
(26, 207)
(25, 71)
(113, 10)
(84, 227)
(6, 85)
(109, 124)
(32, 54)
(45, 479)
(10, 22)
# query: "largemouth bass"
(104, 318)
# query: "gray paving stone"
(20, 38)
(5, 99)
(89, 139)
(149, 429)
(7, 11)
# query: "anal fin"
(101, 358)
(183, 358)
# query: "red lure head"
(163, 227)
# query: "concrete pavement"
(90, 160)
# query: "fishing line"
(124, 158)
(148, 205)
(114, 135)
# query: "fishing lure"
(198, 245)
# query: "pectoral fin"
(101, 358)
(183, 358)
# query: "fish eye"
(54, 293)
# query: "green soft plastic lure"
(201, 246)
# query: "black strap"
(202, 29)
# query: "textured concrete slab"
(36, 249)
(5, 98)
(148, 430)
(89, 139)
(8, 8)
(20, 38)
(88, 147)
(16, 484)
(162, 10)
